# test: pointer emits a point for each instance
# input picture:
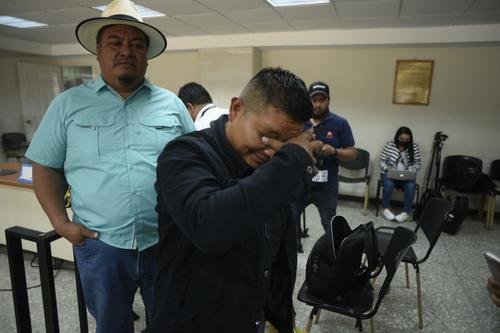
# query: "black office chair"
(14, 145)
(398, 187)
(464, 175)
(430, 224)
(361, 162)
(400, 242)
(495, 179)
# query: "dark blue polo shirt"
(335, 131)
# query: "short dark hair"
(99, 34)
(194, 93)
(283, 90)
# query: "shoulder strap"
(339, 229)
(371, 246)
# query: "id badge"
(321, 176)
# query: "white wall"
(465, 98)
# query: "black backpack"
(334, 270)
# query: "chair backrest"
(362, 161)
(495, 170)
(462, 173)
(431, 220)
(13, 140)
(401, 240)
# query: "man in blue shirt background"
(103, 138)
(338, 143)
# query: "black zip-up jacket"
(227, 251)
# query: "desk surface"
(11, 179)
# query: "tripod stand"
(439, 138)
(435, 165)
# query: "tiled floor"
(453, 282)
(455, 298)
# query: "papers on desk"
(26, 174)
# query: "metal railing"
(14, 237)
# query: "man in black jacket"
(227, 239)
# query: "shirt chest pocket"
(153, 133)
(95, 138)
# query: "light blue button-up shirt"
(108, 149)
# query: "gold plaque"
(412, 83)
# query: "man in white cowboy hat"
(103, 138)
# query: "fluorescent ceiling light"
(283, 3)
(16, 22)
(144, 11)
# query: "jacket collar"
(233, 161)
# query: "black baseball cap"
(319, 87)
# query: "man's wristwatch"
(334, 152)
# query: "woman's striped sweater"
(390, 156)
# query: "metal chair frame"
(401, 241)
(430, 223)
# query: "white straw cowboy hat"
(119, 12)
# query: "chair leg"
(407, 276)
(309, 325)
(310, 321)
(372, 325)
(359, 325)
(419, 302)
(490, 219)
(480, 210)
(377, 198)
(317, 316)
(367, 199)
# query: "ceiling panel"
(203, 20)
(7, 8)
(485, 6)
(63, 16)
(263, 15)
(432, 7)
(361, 9)
(480, 18)
(267, 26)
(230, 5)
(202, 17)
(317, 12)
(75, 15)
(176, 7)
(227, 29)
(60, 33)
(428, 20)
(40, 5)
(171, 26)
(370, 23)
(315, 24)
(85, 3)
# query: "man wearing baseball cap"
(336, 135)
(103, 138)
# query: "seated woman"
(400, 154)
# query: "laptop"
(401, 174)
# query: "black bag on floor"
(457, 215)
(334, 269)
